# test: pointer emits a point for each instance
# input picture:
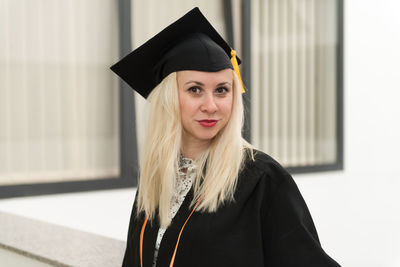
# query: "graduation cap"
(190, 43)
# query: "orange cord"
(141, 241)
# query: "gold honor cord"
(177, 242)
(236, 68)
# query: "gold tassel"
(236, 68)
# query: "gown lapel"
(170, 237)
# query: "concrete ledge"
(58, 245)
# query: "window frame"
(128, 143)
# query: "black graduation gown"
(268, 224)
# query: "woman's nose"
(208, 104)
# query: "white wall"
(357, 211)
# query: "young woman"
(205, 196)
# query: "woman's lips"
(208, 123)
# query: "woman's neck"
(193, 148)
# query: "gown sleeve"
(289, 234)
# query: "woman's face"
(205, 100)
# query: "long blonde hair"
(159, 166)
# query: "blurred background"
(323, 86)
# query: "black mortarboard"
(190, 43)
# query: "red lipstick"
(208, 123)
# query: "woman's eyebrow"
(196, 82)
(202, 84)
(224, 83)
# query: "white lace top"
(184, 181)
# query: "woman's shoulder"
(266, 183)
(262, 176)
(260, 165)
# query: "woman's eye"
(221, 90)
(194, 90)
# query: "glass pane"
(58, 98)
(294, 80)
